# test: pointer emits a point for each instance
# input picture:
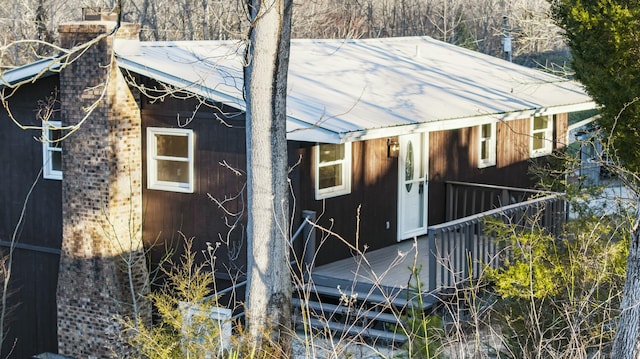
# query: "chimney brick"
(101, 197)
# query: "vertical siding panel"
(32, 323)
(561, 125)
(373, 189)
(168, 214)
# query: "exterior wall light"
(393, 148)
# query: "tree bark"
(626, 343)
(269, 281)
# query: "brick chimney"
(101, 196)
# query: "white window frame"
(491, 159)
(152, 160)
(548, 137)
(48, 148)
(345, 187)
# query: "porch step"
(397, 300)
(331, 309)
(369, 333)
(371, 315)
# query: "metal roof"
(343, 90)
(347, 90)
(30, 72)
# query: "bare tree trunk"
(269, 280)
(627, 341)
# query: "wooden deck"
(450, 256)
(387, 267)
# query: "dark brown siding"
(453, 156)
(373, 200)
(169, 215)
(32, 323)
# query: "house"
(376, 128)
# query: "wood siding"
(373, 201)
(453, 156)
(560, 131)
(32, 320)
(168, 216)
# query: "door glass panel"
(409, 167)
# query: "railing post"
(309, 245)
(505, 198)
(432, 256)
(449, 201)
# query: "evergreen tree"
(604, 37)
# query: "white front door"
(412, 186)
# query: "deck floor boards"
(388, 267)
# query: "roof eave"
(181, 84)
(31, 72)
(452, 124)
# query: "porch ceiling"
(344, 90)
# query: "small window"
(487, 142)
(170, 159)
(52, 150)
(333, 170)
(541, 136)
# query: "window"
(52, 150)
(333, 170)
(170, 159)
(541, 136)
(487, 141)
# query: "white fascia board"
(452, 124)
(298, 130)
(30, 72)
(181, 84)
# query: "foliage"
(475, 24)
(604, 37)
(424, 331)
(180, 332)
(557, 296)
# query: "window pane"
(54, 138)
(174, 146)
(538, 141)
(330, 176)
(540, 123)
(486, 130)
(484, 150)
(329, 153)
(173, 171)
(56, 160)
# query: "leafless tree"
(269, 282)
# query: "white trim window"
(333, 170)
(52, 150)
(541, 135)
(170, 154)
(487, 145)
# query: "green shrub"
(559, 296)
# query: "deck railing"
(459, 250)
(465, 199)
